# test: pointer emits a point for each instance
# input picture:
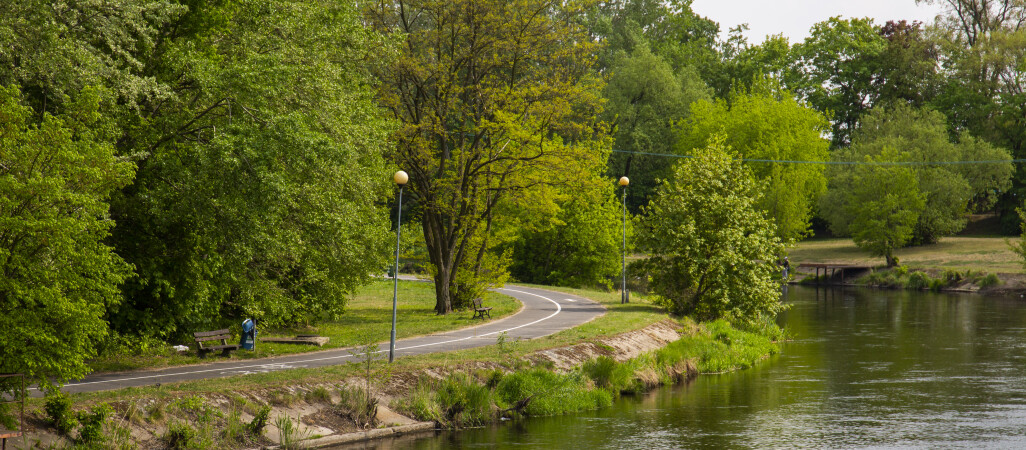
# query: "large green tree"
(578, 244)
(644, 99)
(768, 124)
(946, 177)
(713, 251)
(984, 92)
(57, 276)
(242, 118)
(494, 98)
(884, 204)
(260, 167)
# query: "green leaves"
(58, 277)
(713, 251)
(768, 124)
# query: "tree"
(768, 124)
(884, 205)
(644, 100)
(835, 70)
(260, 169)
(984, 92)
(494, 98)
(579, 245)
(946, 178)
(713, 251)
(57, 277)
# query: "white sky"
(794, 18)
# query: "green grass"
(368, 319)
(990, 254)
(619, 318)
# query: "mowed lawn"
(990, 254)
(368, 319)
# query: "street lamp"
(625, 297)
(400, 178)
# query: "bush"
(611, 375)
(991, 279)
(952, 277)
(420, 403)
(180, 436)
(358, 406)
(58, 411)
(918, 280)
(730, 348)
(92, 423)
(259, 422)
(539, 392)
(463, 401)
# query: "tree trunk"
(891, 260)
(441, 257)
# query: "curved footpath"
(545, 312)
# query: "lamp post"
(400, 178)
(625, 297)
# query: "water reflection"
(866, 368)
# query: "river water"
(865, 369)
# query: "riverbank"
(512, 378)
(978, 264)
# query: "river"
(865, 369)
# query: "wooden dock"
(832, 269)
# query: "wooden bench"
(5, 435)
(219, 335)
(481, 311)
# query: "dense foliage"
(936, 201)
(57, 277)
(170, 166)
(494, 97)
(768, 125)
(713, 251)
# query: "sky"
(794, 18)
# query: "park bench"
(219, 335)
(481, 311)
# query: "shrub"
(420, 403)
(952, 277)
(991, 279)
(358, 406)
(259, 422)
(58, 411)
(918, 280)
(463, 401)
(92, 423)
(180, 436)
(539, 392)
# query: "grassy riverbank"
(368, 319)
(979, 253)
(455, 389)
(962, 263)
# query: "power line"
(844, 163)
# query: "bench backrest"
(210, 333)
(477, 302)
(219, 335)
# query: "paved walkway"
(545, 312)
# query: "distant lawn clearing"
(989, 254)
(368, 319)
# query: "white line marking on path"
(569, 299)
(265, 365)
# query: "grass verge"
(368, 319)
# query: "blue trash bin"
(248, 341)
